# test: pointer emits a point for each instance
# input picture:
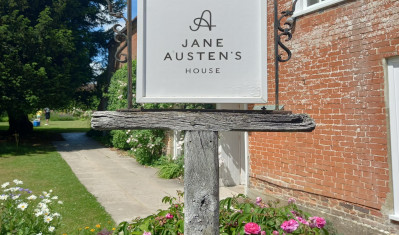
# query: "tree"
(46, 48)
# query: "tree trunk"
(19, 122)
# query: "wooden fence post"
(201, 183)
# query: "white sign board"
(201, 51)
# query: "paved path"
(125, 188)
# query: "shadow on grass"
(63, 130)
(35, 143)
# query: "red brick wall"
(336, 75)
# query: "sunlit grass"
(36, 162)
(58, 126)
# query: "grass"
(41, 168)
(58, 126)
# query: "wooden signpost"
(201, 163)
(202, 51)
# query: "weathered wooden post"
(201, 181)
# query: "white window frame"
(393, 90)
(302, 7)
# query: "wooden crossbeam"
(200, 120)
(201, 181)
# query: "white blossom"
(46, 200)
(32, 197)
(38, 213)
(48, 219)
(22, 206)
(14, 189)
(17, 182)
(5, 184)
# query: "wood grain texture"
(201, 183)
(203, 120)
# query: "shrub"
(170, 169)
(61, 116)
(119, 139)
(146, 145)
(238, 215)
(169, 221)
(22, 212)
(241, 215)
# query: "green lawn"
(41, 168)
(58, 126)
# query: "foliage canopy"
(46, 49)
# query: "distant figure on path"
(38, 115)
(47, 113)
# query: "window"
(306, 6)
(393, 90)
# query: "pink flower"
(262, 233)
(169, 216)
(258, 200)
(290, 226)
(291, 200)
(276, 232)
(147, 233)
(318, 222)
(302, 220)
(252, 228)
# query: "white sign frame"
(162, 78)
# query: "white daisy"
(60, 202)
(51, 229)
(56, 214)
(55, 198)
(5, 184)
(15, 197)
(17, 182)
(14, 189)
(46, 200)
(38, 213)
(3, 197)
(46, 211)
(32, 197)
(22, 206)
(48, 219)
(41, 205)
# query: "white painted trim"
(303, 9)
(394, 217)
(224, 100)
(246, 155)
(393, 90)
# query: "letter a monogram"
(207, 23)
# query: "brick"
(336, 75)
